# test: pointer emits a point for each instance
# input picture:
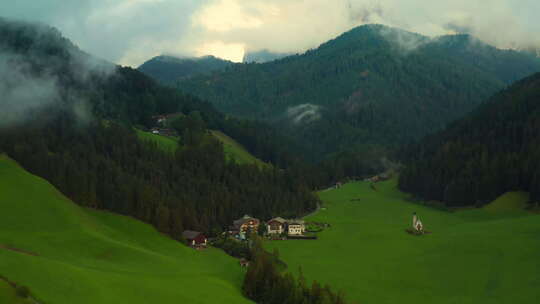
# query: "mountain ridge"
(373, 84)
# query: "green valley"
(470, 256)
(68, 254)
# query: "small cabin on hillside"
(195, 239)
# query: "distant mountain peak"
(263, 56)
(169, 69)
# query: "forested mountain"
(370, 88)
(69, 118)
(494, 150)
(262, 56)
(169, 69)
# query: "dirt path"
(18, 250)
(313, 212)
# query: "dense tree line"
(370, 86)
(494, 150)
(265, 283)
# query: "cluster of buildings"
(275, 226)
(161, 123)
(278, 226)
(242, 227)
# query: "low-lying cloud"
(304, 113)
(30, 75)
(131, 31)
(21, 93)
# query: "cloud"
(304, 113)
(131, 31)
(20, 92)
(30, 79)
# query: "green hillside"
(163, 142)
(494, 150)
(67, 254)
(234, 151)
(470, 257)
(509, 201)
(8, 295)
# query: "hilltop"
(170, 69)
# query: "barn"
(194, 238)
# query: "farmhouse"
(246, 224)
(194, 238)
(276, 225)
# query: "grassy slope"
(164, 142)
(509, 202)
(233, 150)
(86, 256)
(8, 294)
(472, 256)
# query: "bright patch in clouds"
(231, 51)
(226, 15)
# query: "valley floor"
(476, 256)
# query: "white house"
(296, 227)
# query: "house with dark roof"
(194, 238)
(246, 223)
(276, 225)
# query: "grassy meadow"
(66, 254)
(489, 255)
(235, 151)
(163, 142)
(8, 295)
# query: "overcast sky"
(129, 32)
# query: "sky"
(129, 32)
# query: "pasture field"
(8, 295)
(489, 255)
(165, 143)
(235, 151)
(66, 254)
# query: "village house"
(276, 225)
(195, 239)
(280, 225)
(245, 225)
(296, 227)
